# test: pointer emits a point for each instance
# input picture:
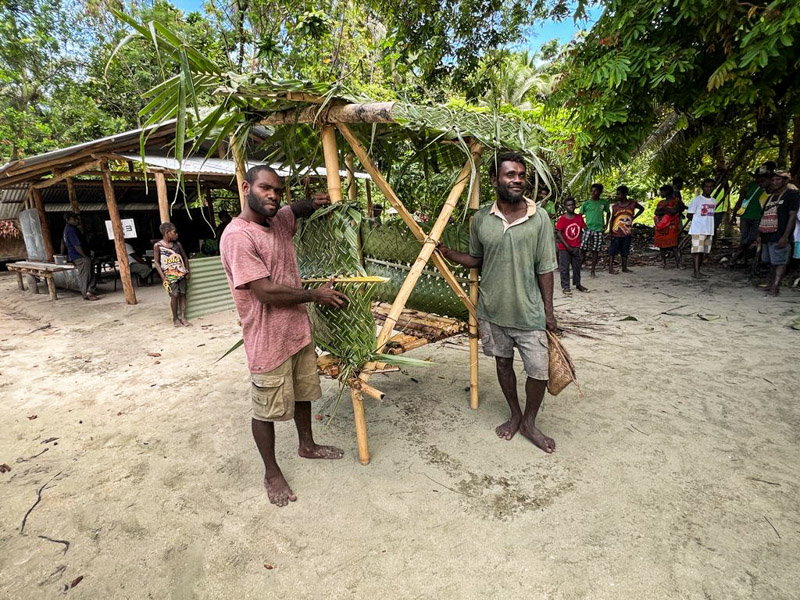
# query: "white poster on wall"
(128, 229)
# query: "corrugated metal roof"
(124, 139)
(208, 290)
(221, 166)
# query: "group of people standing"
(582, 235)
(766, 210)
(767, 214)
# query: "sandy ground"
(676, 476)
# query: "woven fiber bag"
(561, 370)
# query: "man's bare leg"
(595, 258)
(508, 383)
(676, 251)
(776, 278)
(278, 491)
(534, 392)
(307, 448)
(625, 268)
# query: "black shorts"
(620, 245)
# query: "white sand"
(666, 478)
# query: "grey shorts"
(500, 342)
(771, 254)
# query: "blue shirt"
(72, 240)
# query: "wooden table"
(38, 269)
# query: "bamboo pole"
(361, 425)
(352, 190)
(474, 204)
(408, 219)
(119, 236)
(238, 161)
(163, 199)
(373, 112)
(48, 241)
(428, 248)
(331, 163)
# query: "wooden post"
(331, 163)
(474, 204)
(163, 199)
(119, 236)
(408, 219)
(428, 247)
(238, 161)
(210, 205)
(73, 198)
(51, 286)
(48, 242)
(352, 190)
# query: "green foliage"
(729, 72)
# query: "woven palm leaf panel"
(389, 250)
(327, 246)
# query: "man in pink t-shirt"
(259, 259)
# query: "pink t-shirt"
(250, 252)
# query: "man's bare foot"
(593, 274)
(626, 270)
(317, 451)
(540, 440)
(772, 292)
(613, 272)
(509, 429)
(278, 491)
(90, 296)
(185, 323)
(176, 323)
(580, 288)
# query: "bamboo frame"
(352, 189)
(398, 205)
(73, 197)
(119, 236)
(372, 112)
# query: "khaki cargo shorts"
(296, 380)
(532, 346)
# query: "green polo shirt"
(513, 256)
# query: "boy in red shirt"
(569, 229)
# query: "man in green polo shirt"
(748, 208)
(512, 242)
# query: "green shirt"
(513, 257)
(592, 211)
(751, 204)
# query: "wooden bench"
(38, 269)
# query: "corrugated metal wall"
(208, 290)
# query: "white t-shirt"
(702, 211)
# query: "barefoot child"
(701, 213)
(172, 265)
(596, 212)
(569, 229)
(623, 213)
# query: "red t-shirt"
(249, 252)
(571, 230)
